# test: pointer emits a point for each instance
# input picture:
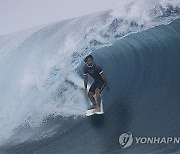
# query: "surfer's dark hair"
(89, 56)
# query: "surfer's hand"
(107, 87)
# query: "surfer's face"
(89, 61)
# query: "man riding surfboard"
(97, 74)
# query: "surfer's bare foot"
(98, 109)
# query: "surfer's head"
(89, 60)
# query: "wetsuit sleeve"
(100, 70)
(84, 70)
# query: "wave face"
(143, 72)
(41, 87)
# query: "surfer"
(97, 74)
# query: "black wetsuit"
(94, 71)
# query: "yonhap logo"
(126, 139)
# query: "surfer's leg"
(98, 98)
(91, 93)
(98, 95)
(91, 97)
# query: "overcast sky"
(16, 15)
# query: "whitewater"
(41, 68)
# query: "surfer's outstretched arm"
(105, 81)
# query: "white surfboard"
(91, 112)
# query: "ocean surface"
(42, 101)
